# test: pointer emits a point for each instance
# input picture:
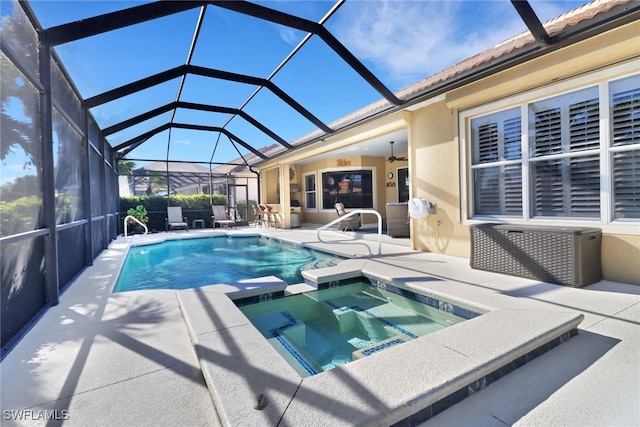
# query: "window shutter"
(585, 187)
(513, 190)
(566, 187)
(512, 138)
(625, 124)
(487, 143)
(548, 132)
(626, 184)
(487, 191)
(584, 172)
(626, 118)
(547, 181)
(498, 189)
(584, 126)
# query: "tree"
(20, 127)
(20, 116)
(125, 167)
(22, 186)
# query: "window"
(544, 159)
(353, 188)
(403, 185)
(497, 176)
(310, 192)
(564, 138)
(625, 147)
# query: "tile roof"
(421, 89)
(508, 48)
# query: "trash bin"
(295, 220)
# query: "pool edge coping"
(206, 340)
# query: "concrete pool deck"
(128, 359)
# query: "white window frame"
(602, 81)
(374, 189)
(305, 192)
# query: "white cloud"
(291, 36)
(183, 141)
(13, 170)
(409, 40)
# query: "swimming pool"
(192, 263)
(320, 330)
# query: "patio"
(126, 359)
(100, 100)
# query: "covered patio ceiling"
(216, 81)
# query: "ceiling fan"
(393, 158)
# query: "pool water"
(317, 331)
(192, 263)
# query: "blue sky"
(401, 42)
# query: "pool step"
(292, 340)
(382, 345)
(299, 288)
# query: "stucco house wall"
(439, 147)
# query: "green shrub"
(139, 213)
(247, 206)
(20, 215)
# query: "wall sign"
(343, 162)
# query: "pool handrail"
(349, 214)
(126, 222)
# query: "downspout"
(258, 178)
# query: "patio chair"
(352, 223)
(175, 219)
(269, 217)
(220, 217)
(260, 217)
